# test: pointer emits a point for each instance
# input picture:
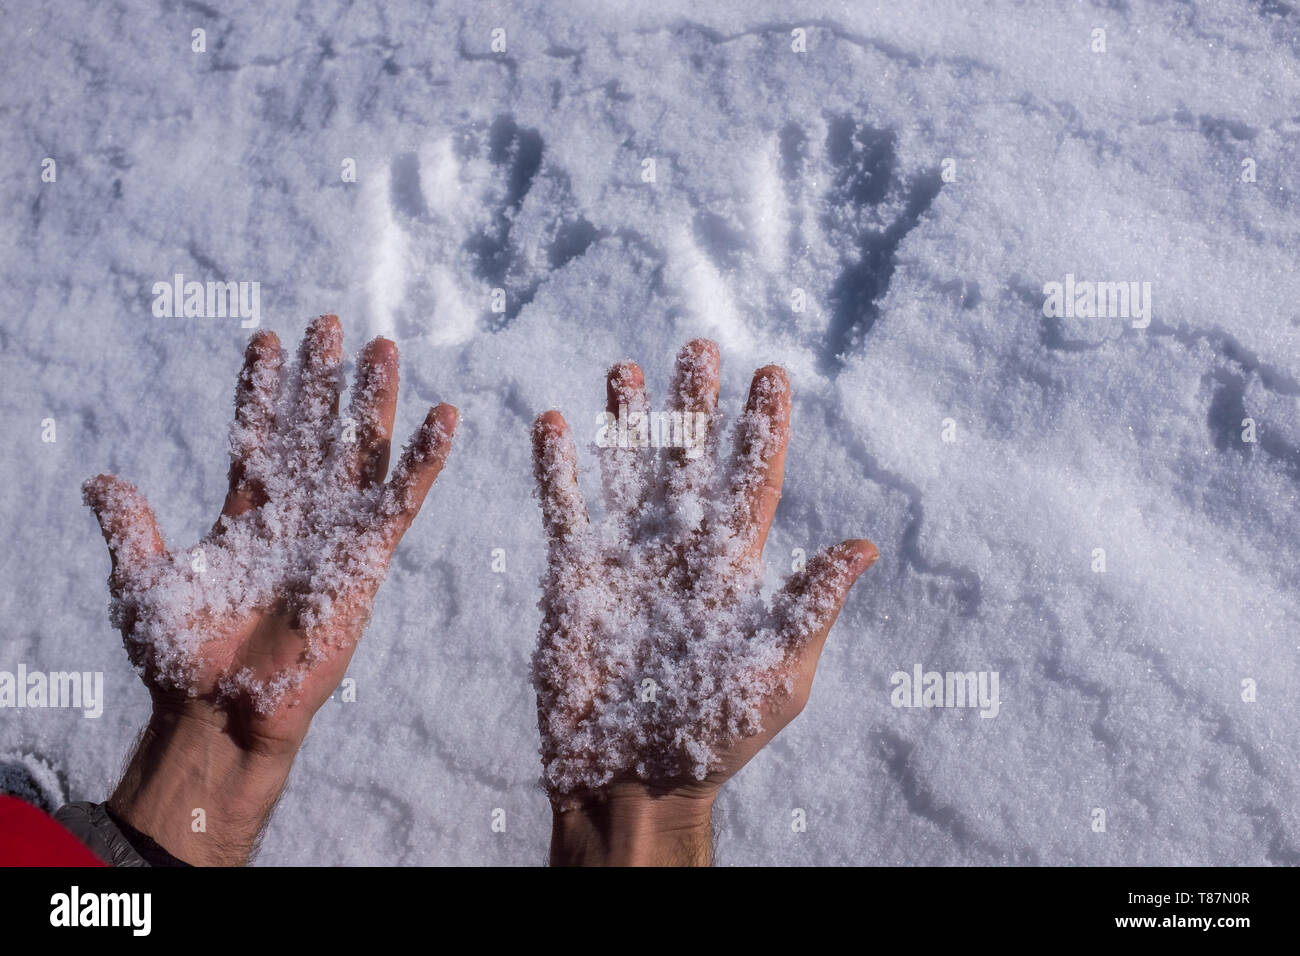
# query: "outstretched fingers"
(372, 409)
(759, 465)
(555, 466)
(807, 606)
(251, 432)
(127, 521)
(417, 469)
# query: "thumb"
(127, 522)
(807, 606)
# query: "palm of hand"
(658, 662)
(257, 623)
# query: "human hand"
(243, 637)
(666, 591)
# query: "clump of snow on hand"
(657, 650)
(311, 549)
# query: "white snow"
(774, 171)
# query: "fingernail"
(865, 554)
(446, 416)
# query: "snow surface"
(774, 170)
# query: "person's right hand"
(667, 591)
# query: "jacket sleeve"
(111, 839)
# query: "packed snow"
(877, 204)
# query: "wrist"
(626, 825)
(197, 792)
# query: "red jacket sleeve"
(28, 837)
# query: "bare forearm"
(181, 766)
(634, 829)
